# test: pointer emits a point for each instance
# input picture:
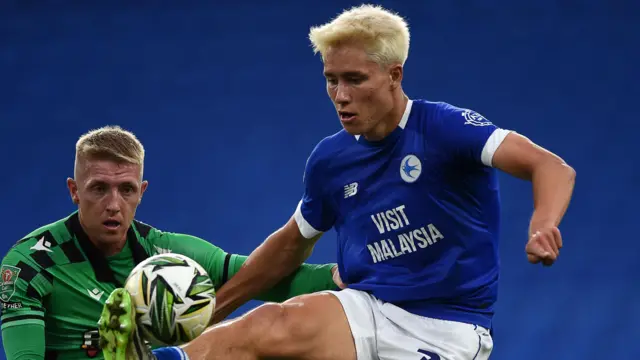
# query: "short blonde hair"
(113, 143)
(384, 34)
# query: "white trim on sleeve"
(492, 145)
(306, 229)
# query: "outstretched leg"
(306, 327)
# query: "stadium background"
(229, 100)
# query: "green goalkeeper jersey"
(55, 282)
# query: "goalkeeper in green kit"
(56, 280)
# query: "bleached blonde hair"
(384, 34)
(113, 143)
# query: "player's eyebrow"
(129, 183)
(346, 73)
(101, 182)
(95, 182)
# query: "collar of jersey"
(393, 136)
(96, 258)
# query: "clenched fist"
(544, 246)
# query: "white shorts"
(386, 332)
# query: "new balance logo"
(95, 294)
(350, 190)
(42, 245)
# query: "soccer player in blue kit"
(411, 189)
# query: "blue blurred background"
(229, 100)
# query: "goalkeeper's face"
(107, 194)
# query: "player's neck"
(109, 249)
(388, 124)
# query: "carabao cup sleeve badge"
(9, 278)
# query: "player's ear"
(143, 188)
(73, 190)
(395, 74)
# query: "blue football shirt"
(416, 214)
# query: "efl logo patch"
(475, 119)
(9, 276)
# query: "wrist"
(539, 223)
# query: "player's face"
(361, 90)
(107, 194)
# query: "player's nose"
(342, 95)
(113, 203)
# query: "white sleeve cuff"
(492, 145)
(305, 228)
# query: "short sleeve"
(23, 284)
(469, 135)
(314, 214)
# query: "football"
(174, 299)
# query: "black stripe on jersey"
(43, 259)
(142, 228)
(138, 252)
(71, 251)
(47, 275)
(37, 308)
(96, 257)
(225, 269)
(33, 293)
(27, 273)
(23, 317)
(69, 224)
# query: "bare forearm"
(306, 279)
(553, 183)
(277, 257)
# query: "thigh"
(308, 327)
(315, 327)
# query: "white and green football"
(174, 299)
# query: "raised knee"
(263, 317)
